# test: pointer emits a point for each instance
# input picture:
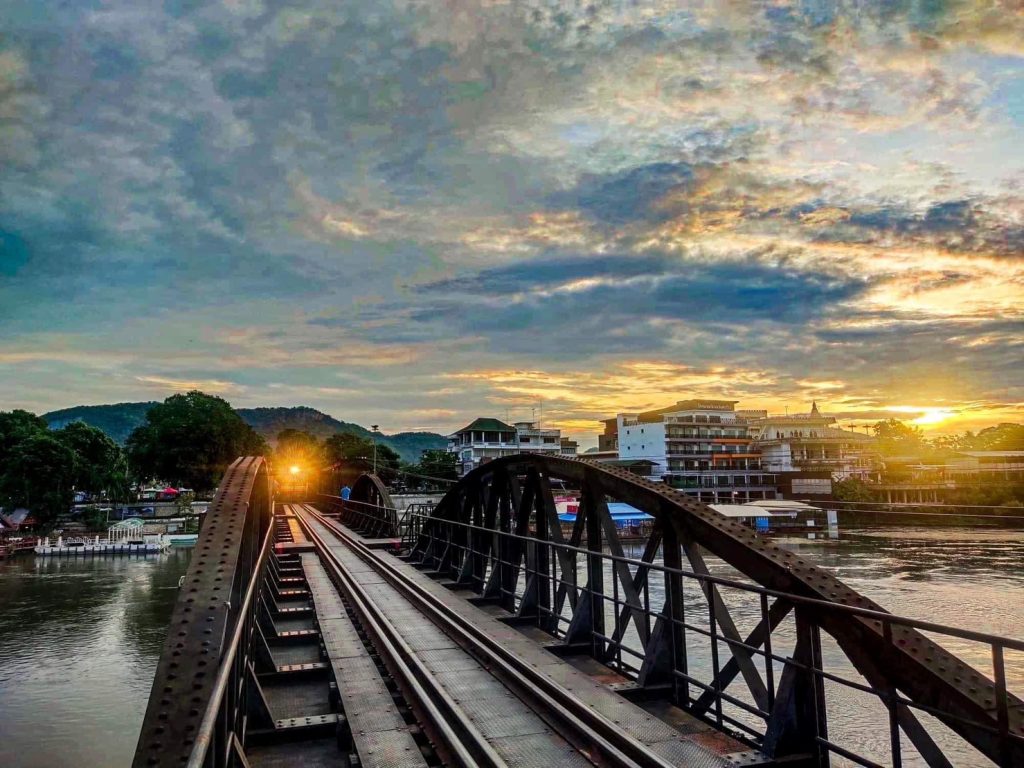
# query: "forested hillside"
(120, 419)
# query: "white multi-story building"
(809, 442)
(719, 454)
(486, 439)
(700, 446)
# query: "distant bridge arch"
(368, 508)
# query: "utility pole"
(374, 428)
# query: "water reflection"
(80, 640)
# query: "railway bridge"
(485, 632)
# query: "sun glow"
(927, 416)
(933, 417)
(295, 470)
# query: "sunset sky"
(413, 213)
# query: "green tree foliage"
(190, 439)
(101, 466)
(354, 454)
(39, 475)
(344, 446)
(894, 438)
(1005, 437)
(436, 470)
(995, 494)
(15, 426)
(95, 519)
(852, 489)
(442, 465)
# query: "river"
(79, 640)
(79, 643)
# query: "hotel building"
(703, 447)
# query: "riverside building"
(719, 454)
(808, 447)
(703, 447)
(486, 439)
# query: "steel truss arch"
(498, 528)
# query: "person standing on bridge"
(345, 492)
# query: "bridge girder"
(507, 494)
(231, 544)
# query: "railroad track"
(450, 722)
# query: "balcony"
(804, 439)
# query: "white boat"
(124, 538)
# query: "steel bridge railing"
(373, 519)
(474, 555)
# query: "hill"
(116, 420)
(119, 420)
(270, 421)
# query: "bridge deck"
(518, 734)
(513, 729)
(295, 642)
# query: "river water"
(79, 643)
(79, 640)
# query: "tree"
(439, 464)
(100, 465)
(345, 446)
(95, 519)
(355, 455)
(15, 426)
(39, 475)
(852, 489)
(898, 439)
(388, 462)
(1005, 437)
(190, 439)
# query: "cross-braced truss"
(654, 614)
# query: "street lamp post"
(374, 428)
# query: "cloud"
(350, 203)
(211, 386)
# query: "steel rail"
(446, 721)
(599, 739)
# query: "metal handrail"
(557, 703)
(712, 694)
(884, 616)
